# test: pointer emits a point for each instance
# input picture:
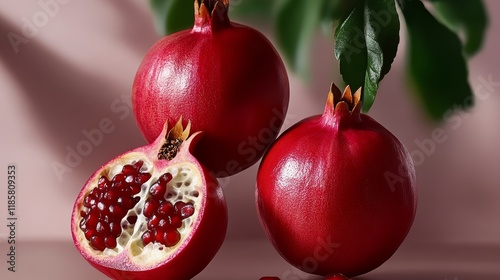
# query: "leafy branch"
(442, 34)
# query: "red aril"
(226, 78)
(336, 193)
(151, 213)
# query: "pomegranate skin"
(201, 243)
(336, 193)
(226, 78)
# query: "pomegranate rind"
(227, 78)
(195, 250)
(341, 188)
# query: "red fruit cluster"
(108, 203)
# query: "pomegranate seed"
(110, 196)
(97, 243)
(92, 221)
(93, 202)
(110, 242)
(102, 227)
(129, 179)
(83, 225)
(115, 229)
(101, 206)
(83, 213)
(163, 224)
(153, 222)
(136, 189)
(166, 209)
(147, 238)
(150, 208)
(89, 233)
(137, 165)
(187, 211)
(94, 193)
(118, 178)
(158, 191)
(172, 238)
(165, 178)
(103, 183)
(142, 178)
(178, 206)
(116, 211)
(176, 221)
(128, 170)
(126, 202)
(160, 236)
(86, 201)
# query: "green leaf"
(467, 16)
(255, 9)
(436, 63)
(366, 44)
(296, 23)
(173, 15)
(338, 9)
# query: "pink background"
(83, 60)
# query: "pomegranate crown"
(340, 105)
(173, 140)
(346, 101)
(211, 11)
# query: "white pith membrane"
(186, 186)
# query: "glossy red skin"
(227, 79)
(198, 249)
(324, 201)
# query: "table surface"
(252, 259)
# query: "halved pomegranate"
(151, 213)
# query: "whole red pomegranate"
(151, 213)
(336, 193)
(226, 78)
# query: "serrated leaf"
(173, 15)
(467, 16)
(366, 44)
(296, 23)
(436, 63)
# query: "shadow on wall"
(66, 100)
(137, 28)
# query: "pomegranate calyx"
(210, 13)
(340, 106)
(173, 140)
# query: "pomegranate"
(270, 278)
(336, 193)
(226, 78)
(151, 213)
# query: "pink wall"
(82, 61)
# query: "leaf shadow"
(64, 100)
